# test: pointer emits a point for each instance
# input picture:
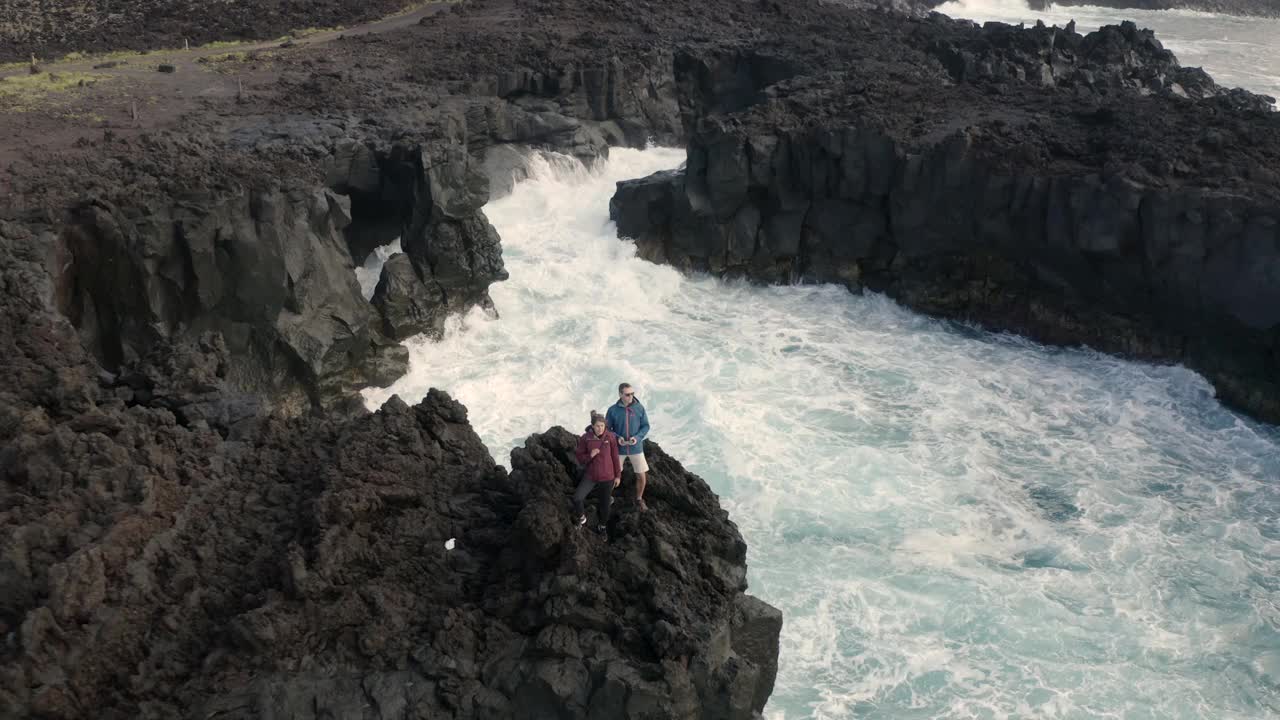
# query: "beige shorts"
(638, 463)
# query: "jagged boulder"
(405, 303)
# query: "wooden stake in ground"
(34, 68)
(133, 111)
(239, 90)
(186, 44)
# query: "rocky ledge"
(153, 253)
(167, 552)
(254, 232)
(1120, 201)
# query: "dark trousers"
(604, 498)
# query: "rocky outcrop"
(164, 554)
(1115, 59)
(430, 198)
(266, 268)
(170, 550)
(581, 108)
(404, 302)
(1097, 257)
(301, 332)
(1259, 8)
(1121, 201)
(268, 264)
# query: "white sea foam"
(369, 273)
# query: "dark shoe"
(602, 530)
(640, 504)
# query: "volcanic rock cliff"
(199, 519)
(1120, 201)
(169, 553)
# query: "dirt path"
(128, 92)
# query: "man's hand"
(595, 452)
(633, 441)
(617, 481)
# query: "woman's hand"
(617, 481)
(595, 452)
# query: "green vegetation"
(308, 32)
(25, 92)
(229, 62)
(226, 44)
(90, 118)
(225, 57)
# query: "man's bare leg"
(640, 480)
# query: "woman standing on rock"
(597, 453)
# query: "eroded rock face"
(1102, 260)
(430, 198)
(583, 107)
(268, 269)
(1077, 189)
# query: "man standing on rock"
(628, 420)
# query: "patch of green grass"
(309, 31)
(91, 118)
(225, 57)
(26, 92)
(228, 62)
(224, 44)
